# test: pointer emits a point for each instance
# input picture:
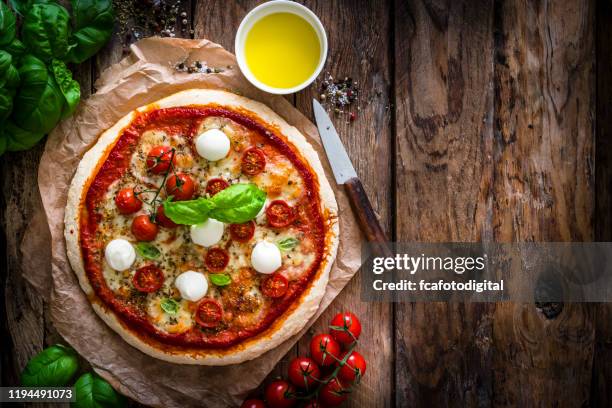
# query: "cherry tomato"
(143, 228)
(216, 259)
(253, 161)
(253, 403)
(159, 159)
(127, 202)
(322, 348)
(274, 286)
(279, 394)
(215, 185)
(348, 373)
(242, 232)
(279, 214)
(161, 219)
(343, 325)
(180, 186)
(303, 372)
(148, 279)
(209, 313)
(333, 393)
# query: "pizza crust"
(292, 321)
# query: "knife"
(345, 174)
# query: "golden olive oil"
(282, 50)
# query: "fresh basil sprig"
(288, 244)
(170, 306)
(53, 367)
(91, 391)
(236, 204)
(147, 250)
(220, 279)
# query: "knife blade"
(345, 174)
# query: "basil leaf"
(7, 25)
(46, 31)
(53, 367)
(91, 391)
(69, 87)
(93, 24)
(190, 212)
(19, 139)
(16, 49)
(287, 244)
(170, 306)
(220, 279)
(237, 204)
(147, 250)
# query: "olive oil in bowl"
(282, 50)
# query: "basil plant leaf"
(53, 367)
(7, 25)
(69, 87)
(170, 306)
(46, 31)
(238, 203)
(39, 102)
(6, 107)
(190, 212)
(93, 24)
(91, 391)
(9, 76)
(288, 244)
(19, 139)
(16, 49)
(147, 250)
(220, 279)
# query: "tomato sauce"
(185, 120)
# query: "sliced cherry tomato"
(322, 348)
(303, 372)
(215, 185)
(333, 393)
(180, 186)
(280, 394)
(253, 403)
(242, 232)
(274, 286)
(159, 159)
(253, 161)
(148, 279)
(209, 313)
(354, 363)
(127, 202)
(161, 219)
(143, 228)
(216, 259)
(346, 328)
(279, 214)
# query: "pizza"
(202, 228)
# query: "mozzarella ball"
(208, 233)
(119, 254)
(213, 145)
(192, 286)
(266, 257)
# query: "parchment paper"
(145, 76)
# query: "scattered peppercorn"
(339, 95)
(150, 17)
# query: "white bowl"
(271, 7)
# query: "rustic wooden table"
(480, 120)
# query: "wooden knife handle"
(366, 217)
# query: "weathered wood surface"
(479, 121)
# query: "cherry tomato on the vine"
(333, 393)
(280, 394)
(323, 349)
(180, 186)
(348, 372)
(253, 403)
(143, 228)
(159, 159)
(303, 372)
(346, 328)
(127, 202)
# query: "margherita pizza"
(202, 228)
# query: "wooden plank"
(359, 46)
(601, 392)
(444, 105)
(544, 190)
